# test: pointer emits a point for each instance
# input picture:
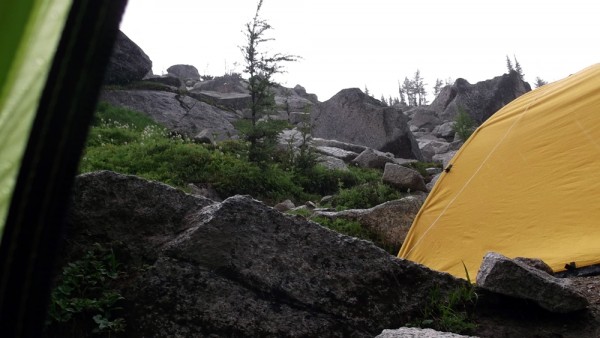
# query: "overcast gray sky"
(375, 43)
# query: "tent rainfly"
(52, 59)
(523, 185)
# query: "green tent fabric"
(31, 30)
(52, 63)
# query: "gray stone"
(403, 161)
(403, 178)
(326, 199)
(353, 117)
(415, 332)
(433, 171)
(229, 91)
(172, 82)
(179, 113)
(301, 208)
(455, 145)
(236, 101)
(424, 119)
(484, 98)
(444, 158)
(204, 190)
(240, 268)
(433, 181)
(431, 148)
(535, 263)
(390, 220)
(205, 136)
(319, 142)
(288, 100)
(184, 72)
(134, 213)
(310, 205)
(284, 206)
(445, 131)
(512, 278)
(332, 163)
(128, 62)
(232, 91)
(371, 158)
(301, 91)
(299, 118)
(342, 154)
(290, 138)
(444, 98)
(423, 136)
(226, 84)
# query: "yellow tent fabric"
(524, 185)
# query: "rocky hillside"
(205, 108)
(165, 263)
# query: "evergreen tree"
(518, 68)
(409, 90)
(401, 92)
(509, 64)
(383, 100)
(540, 82)
(419, 89)
(260, 66)
(438, 87)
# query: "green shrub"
(319, 180)
(85, 300)
(365, 196)
(421, 167)
(363, 175)
(347, 227)
(237, 148)
(232, 176)
(354, 229)
(157, 158)
(129, 142)
(134, 120)
(300, 212)
(322, 181)
(452, 313)
(262, 138)
(464, 124)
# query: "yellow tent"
(523, 185)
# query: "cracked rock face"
(241, 268)
(481, 99)
(353, 117)
(178, 113)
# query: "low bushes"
(128, 142)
